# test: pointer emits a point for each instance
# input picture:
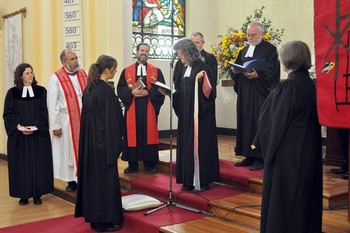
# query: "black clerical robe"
(251, 94)
(289, 136)
(207, 140)
(100, 143)
(211, 62)
(29, 156)
(142, 151)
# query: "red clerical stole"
(72, 103)
(152, 127)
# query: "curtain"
(13, 47)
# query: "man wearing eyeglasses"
(252, 88)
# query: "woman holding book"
(29, 145)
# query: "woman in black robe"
(101, 141)
(28, 146)
(289, 136)
(184, 104)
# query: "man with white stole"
(64, 102)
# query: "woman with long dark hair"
(101, 142)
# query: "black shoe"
(113, 227)
(338, 171)
(257, 165)
(204, 187)
(345, 175)
(187, 187)
(104, 227)
(130, 170)
(152, 170)
(71, 187)
(245, 163)
(37, 201)
(23, 201)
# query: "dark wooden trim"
(167, 133)
(3, 157)
(226, 131)
(227, 83)
(220, 131)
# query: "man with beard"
(142, 105)
(64, 101)
(252, 89)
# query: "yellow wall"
(107, 29)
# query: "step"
(255, 185)
(159, 185)
(244, 208)
(164, 143)
(237, 177)
(335, 190)
(202, 225)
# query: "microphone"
(174, 57)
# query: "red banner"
(332, 38)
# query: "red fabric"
(332, 62)
(152, 127)
(206, 85)
(234, 176)
(133, 222)
(237, 176)
(158, 186)
(72, 103)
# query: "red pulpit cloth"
(332, 38)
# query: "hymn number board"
(73, 27)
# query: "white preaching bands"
(250, 52)
(26, 90)
(141, 68)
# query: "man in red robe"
(142, 106)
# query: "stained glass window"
(160, 23)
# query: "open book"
(162, 85)
(27, 128)
(248, 66)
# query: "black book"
(138, 85)
(248, 66)
(162, 85)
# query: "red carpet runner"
(133, 222)
(237, 176)
(158, 186)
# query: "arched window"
(160, 23)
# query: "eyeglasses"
(253, 35)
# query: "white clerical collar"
(70, 73)
(141, 69)
(26, 90)
(250, 52)
(188, 71)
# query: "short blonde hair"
(295, 55)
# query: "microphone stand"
(170, 202)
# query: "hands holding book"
(139, 92)
(27, 130)
(162, 88)
(250, 68)
(251, 75)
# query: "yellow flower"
(229, 47)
